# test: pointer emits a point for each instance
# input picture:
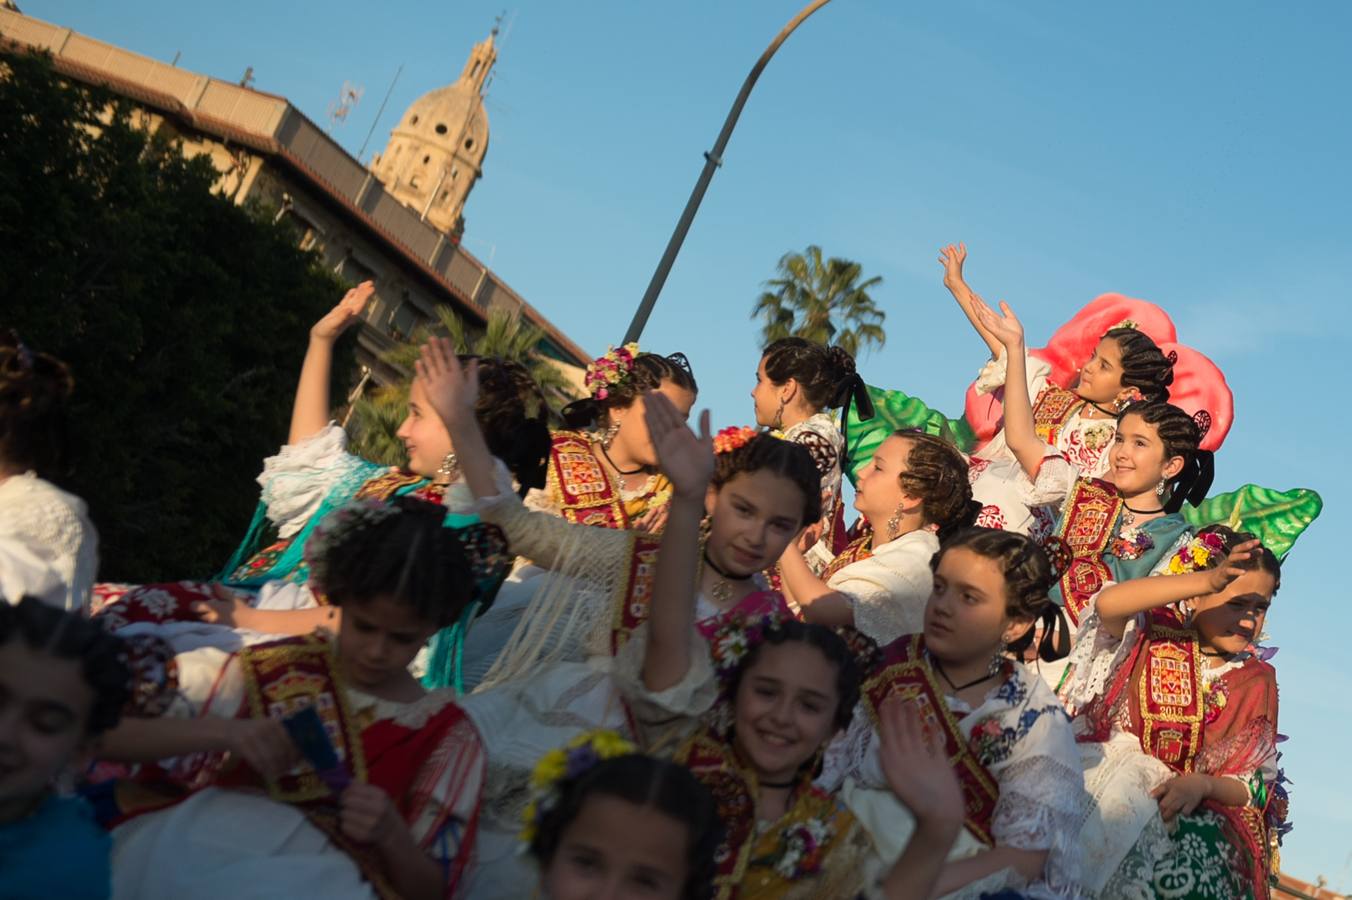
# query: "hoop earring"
(608, 436)
(449, 470)
(779, 417)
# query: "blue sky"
(1195, 155)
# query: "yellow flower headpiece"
(568, 763)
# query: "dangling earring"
(997, 662)
(449, 470)
(609, 435)
(1120, 404)
(779, 416)
(894, 524)
(1159, 488)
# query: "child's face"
(755, 515)
(785, 709)
(966, 618)
(378, 639)
(1101, 377)
(618, 850)
(1137, 460)
(44, 709)
(424, 435)
(765, 398)
(878, 493)
(1231, 619)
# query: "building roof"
(269, 125)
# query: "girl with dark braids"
(911, 494)
(1075, 422)
(798, 382)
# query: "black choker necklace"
(778, 784)
(726, 576)
(939, 667)
(1112, 413)
(1142, 512)
(606, 454)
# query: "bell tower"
(436, 151)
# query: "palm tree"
(822, 301)
(376, 417)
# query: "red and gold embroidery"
(1169, 693)
(1053, 409)
(859, 549)
(585, 493)
(1087, 528)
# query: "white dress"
(889, 590)
(48, 547)
(1082, 444)
(822, 437)
(1034, 761)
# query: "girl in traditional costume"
(1075, 423)
(1127, 524)
(912, 492)
(797, 383)
(610, 821)
(1178, 711)
(571, 665)
(604, 471)
(1007, 737)
(48, 547)
(386, 802)
(314, 474)
(63, 684)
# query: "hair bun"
(842, 361)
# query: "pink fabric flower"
(1198, 383)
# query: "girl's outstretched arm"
(820, 604)
(689, 462)
(952, 257)
(1020, 433)
(1117, 604)
(310, 412)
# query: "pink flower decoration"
(1198, 383)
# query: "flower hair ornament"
(734, 437)
(559, 768)
(337, 527)
(1202, 552)
(612, 370)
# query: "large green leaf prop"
(894, 410)
(1276, 517)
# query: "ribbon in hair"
(1193, 482)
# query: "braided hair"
(834, 647)
(34, 389)
(1028, 575)
(514, 417)
(648, 782)
(1144, 365)
(826, 374)
(779, 457)
(649, 373)
(68, 635)
(408, 556)
(1181, 436)
(937, 473)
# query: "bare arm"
(1020, 433)
(310, 412)
(689, 462)
(952, 257)
(819, 604)
(227, 608)
(262, 743)
(1118, 604)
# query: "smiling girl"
(913, 492)
(1004, 732)
(1178, 710)
(397, 814)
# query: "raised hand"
(1005, 326)
(916, 769)
(684, 458)
(951, 258)
(452, 389)
(654, 520)
(1221, 576)
(345, 314)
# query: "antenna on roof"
(247, 80)
(348, 97)
(380, 112)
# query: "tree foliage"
(182, 316)
(377, 416)
(821, 300)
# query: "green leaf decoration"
(1277, 518)
(895, 410)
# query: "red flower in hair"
(732, 438)
(1198, 384)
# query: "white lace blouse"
(48, 546)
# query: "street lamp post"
(712, 160)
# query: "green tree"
(181, 315)
(821, 300)
(377, 416)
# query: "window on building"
(415, 182)
(469, 143)
(441, 128)
(413, 120)
(405, 318)
(427, 159)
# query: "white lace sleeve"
(993, 374)
(54, 538)
(297, 479)
(665, 717)
(887, 602)
(1055, 479)
(1041, 798)
(1095, 657)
